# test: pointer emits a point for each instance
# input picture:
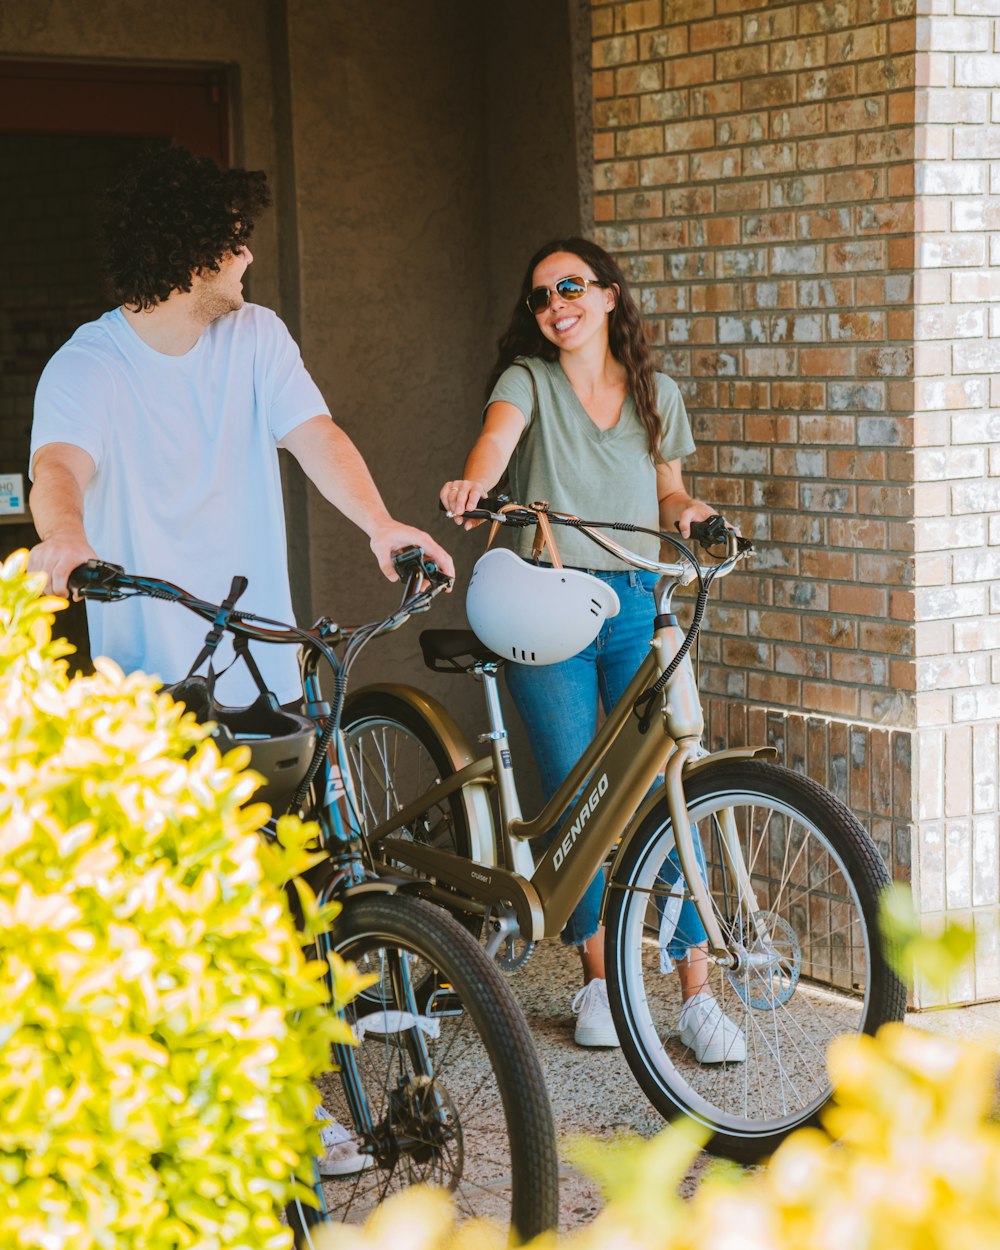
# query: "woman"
(579, 417)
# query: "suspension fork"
(685, 723)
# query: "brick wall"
(754, 171)
(802, 194)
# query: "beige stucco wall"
(418, 154)
(434, 149)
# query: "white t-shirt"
(187, 486)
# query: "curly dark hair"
(172, 215)
(626, 334)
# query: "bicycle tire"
(489, 1135)
(823, 967)
(304, 1220)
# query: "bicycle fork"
(685, 723)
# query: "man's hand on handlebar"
(418, 571)
(394, 537)
(57, 557)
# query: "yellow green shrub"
(910, 1161)
(160, 1025)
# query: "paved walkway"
(594, 1092)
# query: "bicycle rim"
(394, 759)
(813, 968)
(444, 1086)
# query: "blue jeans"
(559, 703)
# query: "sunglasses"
(569, 288)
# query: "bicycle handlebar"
(712, 532)
(104, 582)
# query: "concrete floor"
(593, 1091)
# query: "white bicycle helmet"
(534, 615)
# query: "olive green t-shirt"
(597, 475)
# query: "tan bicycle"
(783, 877)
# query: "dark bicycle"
(443, 1085)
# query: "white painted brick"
(936, 464)
(976, 566)
(975, 427)
(975, 287)
(977, 636)
(972, 705)
(949, 672)
(934, 604)
(958, 864)
(984, 772)
(987, 954)
(951, 179)
(952, 34)
(977, 71)
(976, 497)
(948, 533)
(930, 780)
(981, 357)
(930, 856)
(969, 214)
(966, 107)
(947, 322)
(939, 251)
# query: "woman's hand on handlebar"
(462, 496)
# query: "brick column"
(808, 230)
(956, 464)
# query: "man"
(154, 443)
(156, 428)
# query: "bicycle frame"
(616, 772)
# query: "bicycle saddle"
(446, 649)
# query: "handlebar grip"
(411, 562)
(94, 575)
(486, 507)
(711, 531)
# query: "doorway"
(67, 131)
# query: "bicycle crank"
(506, 945)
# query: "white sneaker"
(594, 1026)
(709, 1032)
(341, 1156)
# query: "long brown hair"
(626, 336)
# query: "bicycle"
(444, 1084)
(788, 897)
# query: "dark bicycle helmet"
(282, 744)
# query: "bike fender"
(449, 731)
(651, 799)
(475, 797)
(384, 885)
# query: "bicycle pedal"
(444, 1001)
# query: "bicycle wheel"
(444, 1086)
(395, 757)
(305, 1220)
(815, 969)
